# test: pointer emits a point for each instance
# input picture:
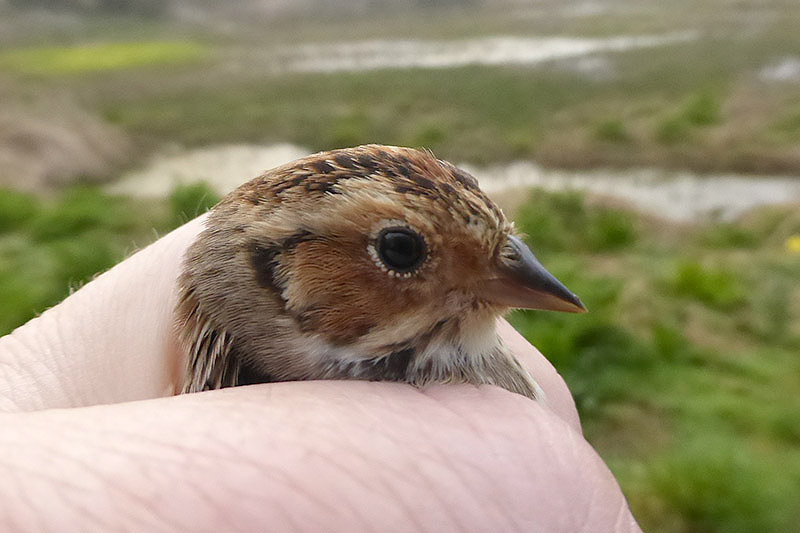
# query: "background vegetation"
(686, 370)
(714, 99)
(49, 247)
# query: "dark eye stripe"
(264, 259)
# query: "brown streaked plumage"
(374, 262)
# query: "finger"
(110, 341)
(558, 397)
(309, 456)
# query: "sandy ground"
(677, 196)
(51, 142)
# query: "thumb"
(110, 341)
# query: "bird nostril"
(510, 254)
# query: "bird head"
(372, 262)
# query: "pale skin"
(92, 438)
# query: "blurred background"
(650, 151)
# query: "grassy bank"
(685, 371)
(50, 247)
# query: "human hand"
(92, 438)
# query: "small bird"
(375, 262)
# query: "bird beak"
(520, 281)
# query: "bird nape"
(374, 262)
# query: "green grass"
(612, 130)
(685, 370)
(699, 110)
(99, 57)
(468, 113)
(703, 109)
(562, 222)
(716, 287)
(48, 247)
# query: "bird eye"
(401, 249)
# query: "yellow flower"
(793, 244)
